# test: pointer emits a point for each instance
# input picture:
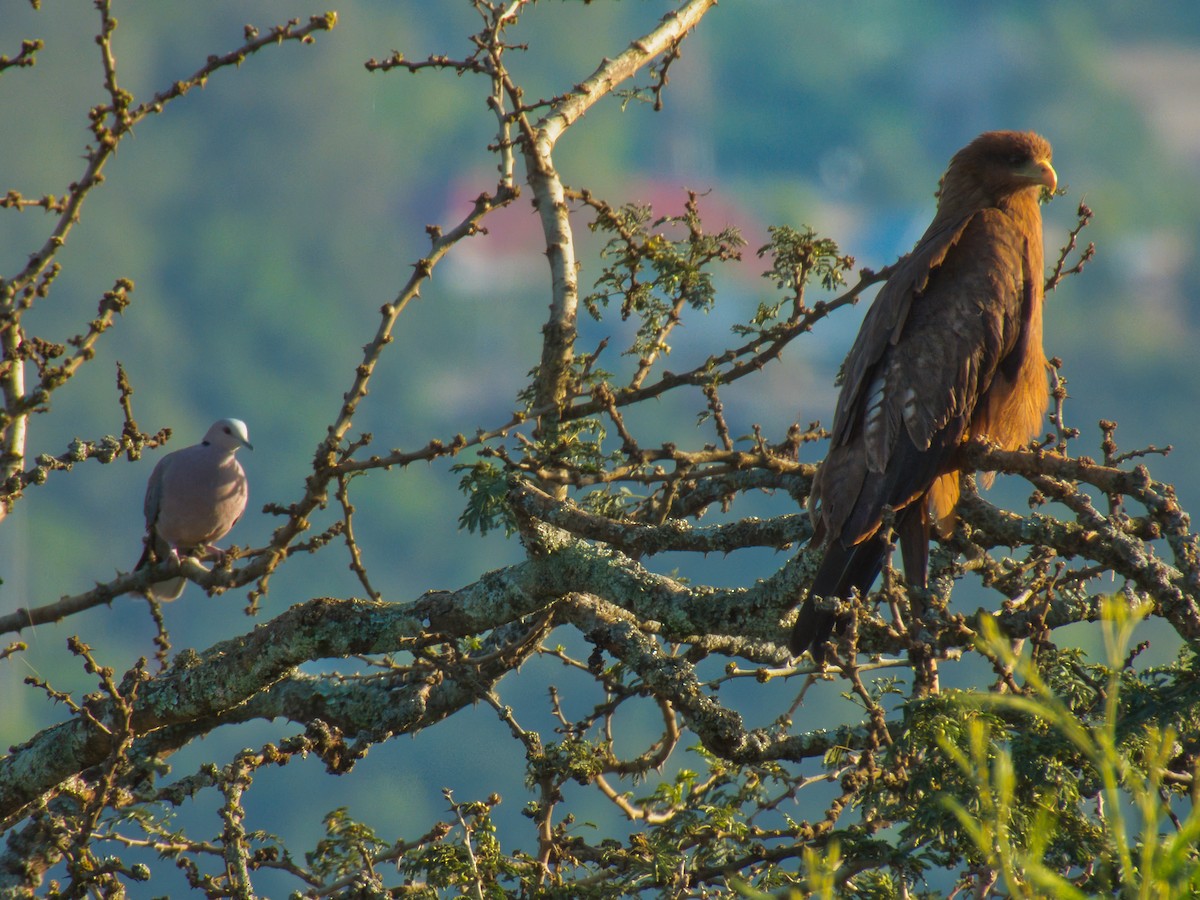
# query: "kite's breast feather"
(1012, 410)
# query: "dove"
(194, 497)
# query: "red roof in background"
(512, 252)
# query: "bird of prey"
(950, 350)
(194, 497)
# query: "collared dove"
(195, 495)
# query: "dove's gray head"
(228, 434)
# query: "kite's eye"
(1018, 159)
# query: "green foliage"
(1068, 795)
(579, 443)
(348, 846)
(486, 487)
(796, 257)
(822, 870)
(653, 274)
(610, 502)
(573, 758)
(461, 856)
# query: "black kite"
(950, 350)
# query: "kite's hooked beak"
(1041, 172)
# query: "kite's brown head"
(995, 168)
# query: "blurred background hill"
(266, 218)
